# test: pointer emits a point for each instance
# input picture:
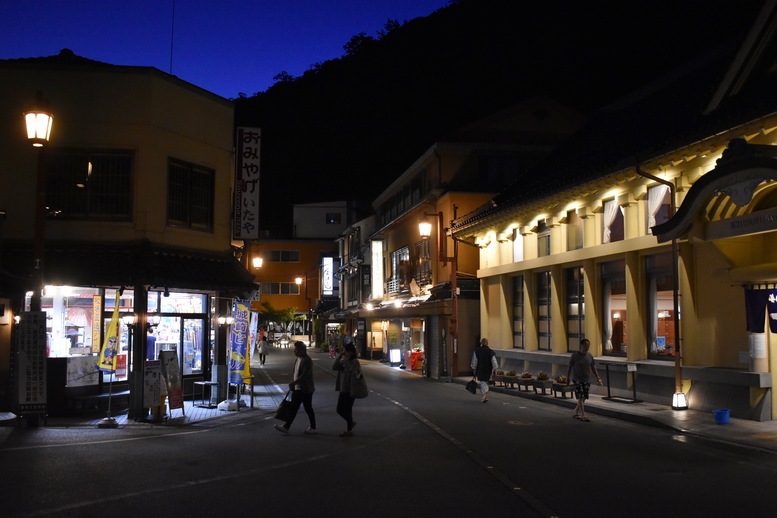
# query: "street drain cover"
(519, 423)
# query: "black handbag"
(284, 409)
(472, 386)
(359, 387)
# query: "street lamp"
(679, 400)
(425, 229)
(31, 379)
(39, 121)
(298, 280)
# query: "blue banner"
(238, 340)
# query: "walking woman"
(347, 366)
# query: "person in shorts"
(581, 364)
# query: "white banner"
(246, 205)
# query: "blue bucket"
(722, 415)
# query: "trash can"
(722, 415)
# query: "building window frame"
(284, 256)
(400, 269)
(519, 330)
(423, 263)
(614, 328)
(190, 195)
(575, 229)
(613, 222)
(575, 288)
(89, 184)
(544, 310)
(543, 238)
(659, 208)
(660, 306)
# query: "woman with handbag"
(349, 373)
(484, 366)
(302, 389)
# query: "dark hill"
(349, 126)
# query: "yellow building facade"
(588, 245)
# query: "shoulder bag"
(359, 387)
(284, 409)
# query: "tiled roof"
(65, 57)
(662, 117)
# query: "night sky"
(226, 47)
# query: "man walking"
(581, 363)
(301, 389)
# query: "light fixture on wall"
(257, 262)
(225, 321)
(153, 321)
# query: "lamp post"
(38, 121)
(31, 380)
(425, 229)
(298, 280)
(679, 401)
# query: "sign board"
(171, 372)
(152, 383)
(246, 203)
(82, 371)
(31, 363)
(631, 367)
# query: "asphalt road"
(421, 448)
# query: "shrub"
(526, 375)
(542, 376)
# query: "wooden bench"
(95, 402)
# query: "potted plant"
(499, 376)
(543, 382)
(525, 380)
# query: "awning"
(132, 263)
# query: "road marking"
(532, 501)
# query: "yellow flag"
(110, 350)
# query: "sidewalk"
(267, 396)
(742, 432)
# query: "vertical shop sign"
(252, 339)
(238, 340)
(97, 319)
(246, 204)
(327, 275)
(171, 371)
(152, 383)
(31, 363)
